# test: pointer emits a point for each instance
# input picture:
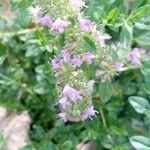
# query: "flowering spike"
(73, 86)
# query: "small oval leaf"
(140, 142)
(140, 104)
(89, 44)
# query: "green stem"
(2, 34)
(103, 117)
(105, 124)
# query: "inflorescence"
(73, 86)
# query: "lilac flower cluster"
(134, 56)
(72, 97)
(116, 46)
(59, 25)
(77, 4)
(74, 103)
(45, 20)
(119, 66)
(75, 60)
(85, 25)
(73, 86)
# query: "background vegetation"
(27, 83)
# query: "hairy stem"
(103, 117)
(3, 34)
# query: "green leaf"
(137, 4)
(89, 44)
(67, 145)
(32, 51)
(140, 142)
(113, 15)
(40, 89)
(126, 35)
(138, 13)
(105, 90)
(142, 26)
(145, 70)
(143, 39)
(38, 132)
(44, 68)
(39, 36)
(48, 146)
(2, 59)
(62, 40)
(140, 104)
(1, 5)
(27, 147)
(1, 140)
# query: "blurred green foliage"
(27, 83)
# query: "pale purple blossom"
(77, 4)
(134, 56)
(119, 66)
(72, 93)
(62, 116)
(64, 103)
(76, 61)
(99, 37)
(147, 53)
(36, 12)
(102, 39)
(59, 25)
(66, 55)
(55, 63)
(88, 57)
(90, 86)
(85, 25)
(89, 112)
(99, 73)
(116, 46)
(46, 21)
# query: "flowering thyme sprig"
(73, 86)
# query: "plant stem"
(2, 34)
(103, 117)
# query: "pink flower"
(99, 73)
(85, 25)
(46, 21)
(88, 57)
(72, 93)
(90, 86)
(55, 63)
(64, 102)
(66, 55)
(99, 37)
(89, 112)
(134, 56)
(116, 46)
(62, 116)
(76, 61)
(77, 4)
(119, 66)
(36, 12)
(102, 39)
(59, 25)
